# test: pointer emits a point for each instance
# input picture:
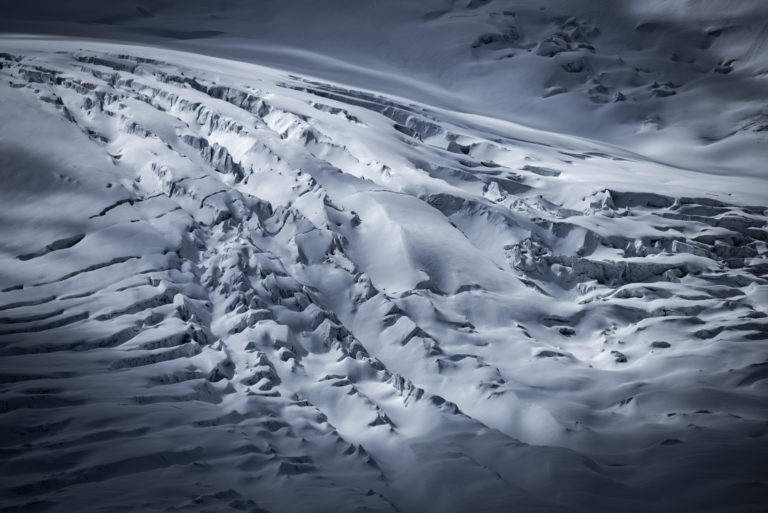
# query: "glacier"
(480, 260)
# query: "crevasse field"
(403, 256)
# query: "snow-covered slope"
(649, 75)
(225, 286)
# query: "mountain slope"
(227, 287)
(652, 76)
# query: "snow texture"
(410, 257)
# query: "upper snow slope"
(648, 75)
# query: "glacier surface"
(475, 260)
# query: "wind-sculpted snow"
(229, 288)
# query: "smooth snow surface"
(491, 256)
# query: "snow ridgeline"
(228, 288)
